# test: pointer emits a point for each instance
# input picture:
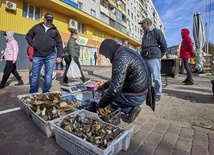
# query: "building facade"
(95, 21)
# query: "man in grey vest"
(153, 47)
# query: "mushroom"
(38, 110)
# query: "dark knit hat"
(145, 20)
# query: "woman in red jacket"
(185, 53)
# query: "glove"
(100, 89)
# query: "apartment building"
(95, 21)
(136, 10)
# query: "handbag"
(150, 98)
(73, 71)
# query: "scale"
(73, 87)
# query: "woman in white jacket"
(10, 56)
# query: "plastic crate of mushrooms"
(83, 132)
(27, 100)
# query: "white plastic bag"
(73, 71)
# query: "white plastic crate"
(25, 107)
(77, 146)
(41, 124)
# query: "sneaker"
(20, 82)
(87, 80)
(157, 98)
(133, 113)
(54, 75)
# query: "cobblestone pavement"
(20, 136)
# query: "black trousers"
(67, 59)
(8, 69)
(186, 66)
(95, 62)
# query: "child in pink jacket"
(10, 56)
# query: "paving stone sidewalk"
(20, 136)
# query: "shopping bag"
(73, 71)
(150, 98)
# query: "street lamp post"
(206, 43)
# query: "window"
(93, 13)
(104, 18)
(31, 11)
(118, 16)
(80, 5)
(81, 28)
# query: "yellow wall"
(13, 20)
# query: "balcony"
(104, 10)
(121, 10)
(112, 16)
(123, 23)
(113, 3)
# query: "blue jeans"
(154, 69)
(38, 62)
(126, 101)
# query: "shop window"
(31, 11)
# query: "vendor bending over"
(127, 88)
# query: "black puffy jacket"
(44, 43)
(128, 75)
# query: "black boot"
(212, 81)
(133, 113)
(185, 80)
(20, 82)
(189, 82)
(1, 86)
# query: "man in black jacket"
(127, 88)
(153, 47)
(45, 39)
